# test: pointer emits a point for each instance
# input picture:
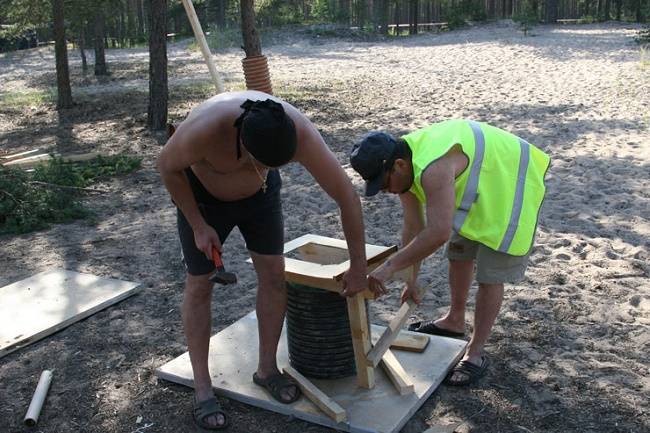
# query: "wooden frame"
(314, 249)
(321, 263)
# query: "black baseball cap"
(372, 157)
(267, 132)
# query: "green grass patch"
(25, 99)
(52, 192)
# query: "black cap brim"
(373, 186)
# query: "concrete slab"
(47, 302)
(233, 360)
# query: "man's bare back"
(211, 125)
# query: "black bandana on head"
(267, 132)
(247, 105)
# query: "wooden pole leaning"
(203, 44)
(318, 397)
(392, 331)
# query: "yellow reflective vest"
(499, 194)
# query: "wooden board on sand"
(47, 302)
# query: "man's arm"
(185, 147)
(412, 226)
(438, 186)
(321, 163)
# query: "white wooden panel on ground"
(47, 302)
(233, 360)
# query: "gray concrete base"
(233, 360)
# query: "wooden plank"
(53, 300)
(396, 374)
(19, 154)
(323, 254)
(33, 160)
(406, 25)
(203, 44)
(408, 341)
(327, 276)
(392, 331)
(360, 340)
(318, 397)
(390, 334)
(29, 159)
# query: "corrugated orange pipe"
(256, 73)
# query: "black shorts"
(258, 217)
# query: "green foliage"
(105, 166)
(457, 13)
(277, 12)
(526, 16)
(16, 100)
(321, 11)
(588, 19)
(476, 10)
(455, 17)
(220, 39)
(26, 14)
(52, 192)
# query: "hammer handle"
(216, 257)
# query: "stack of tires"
(318, 333)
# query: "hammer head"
(223, 277)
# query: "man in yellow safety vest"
(481, 189)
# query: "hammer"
(221, 276)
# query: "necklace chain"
(260, 176)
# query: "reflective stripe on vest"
(519, 196)
(471, 188)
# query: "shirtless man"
(220, 168)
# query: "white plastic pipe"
(38, 399)
(203, 44)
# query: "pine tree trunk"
(64, 93)
(385, 6)
(345, 15)
(397, 18)
(413, 17)
(100, 56)
(639, 13)
(82, 50)
(141, 18)
(158, 92)
(221, 13)
(551, 11)
(252, 45)
(130, 22)
(599, 10)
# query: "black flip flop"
(207, 408)
(275, 384)
(428, 327)
(472, 372)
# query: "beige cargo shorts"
(492, 267)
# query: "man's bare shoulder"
(451, 163)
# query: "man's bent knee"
(490, 286)
(198, 285)
(270, 272)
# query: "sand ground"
(570, 349)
